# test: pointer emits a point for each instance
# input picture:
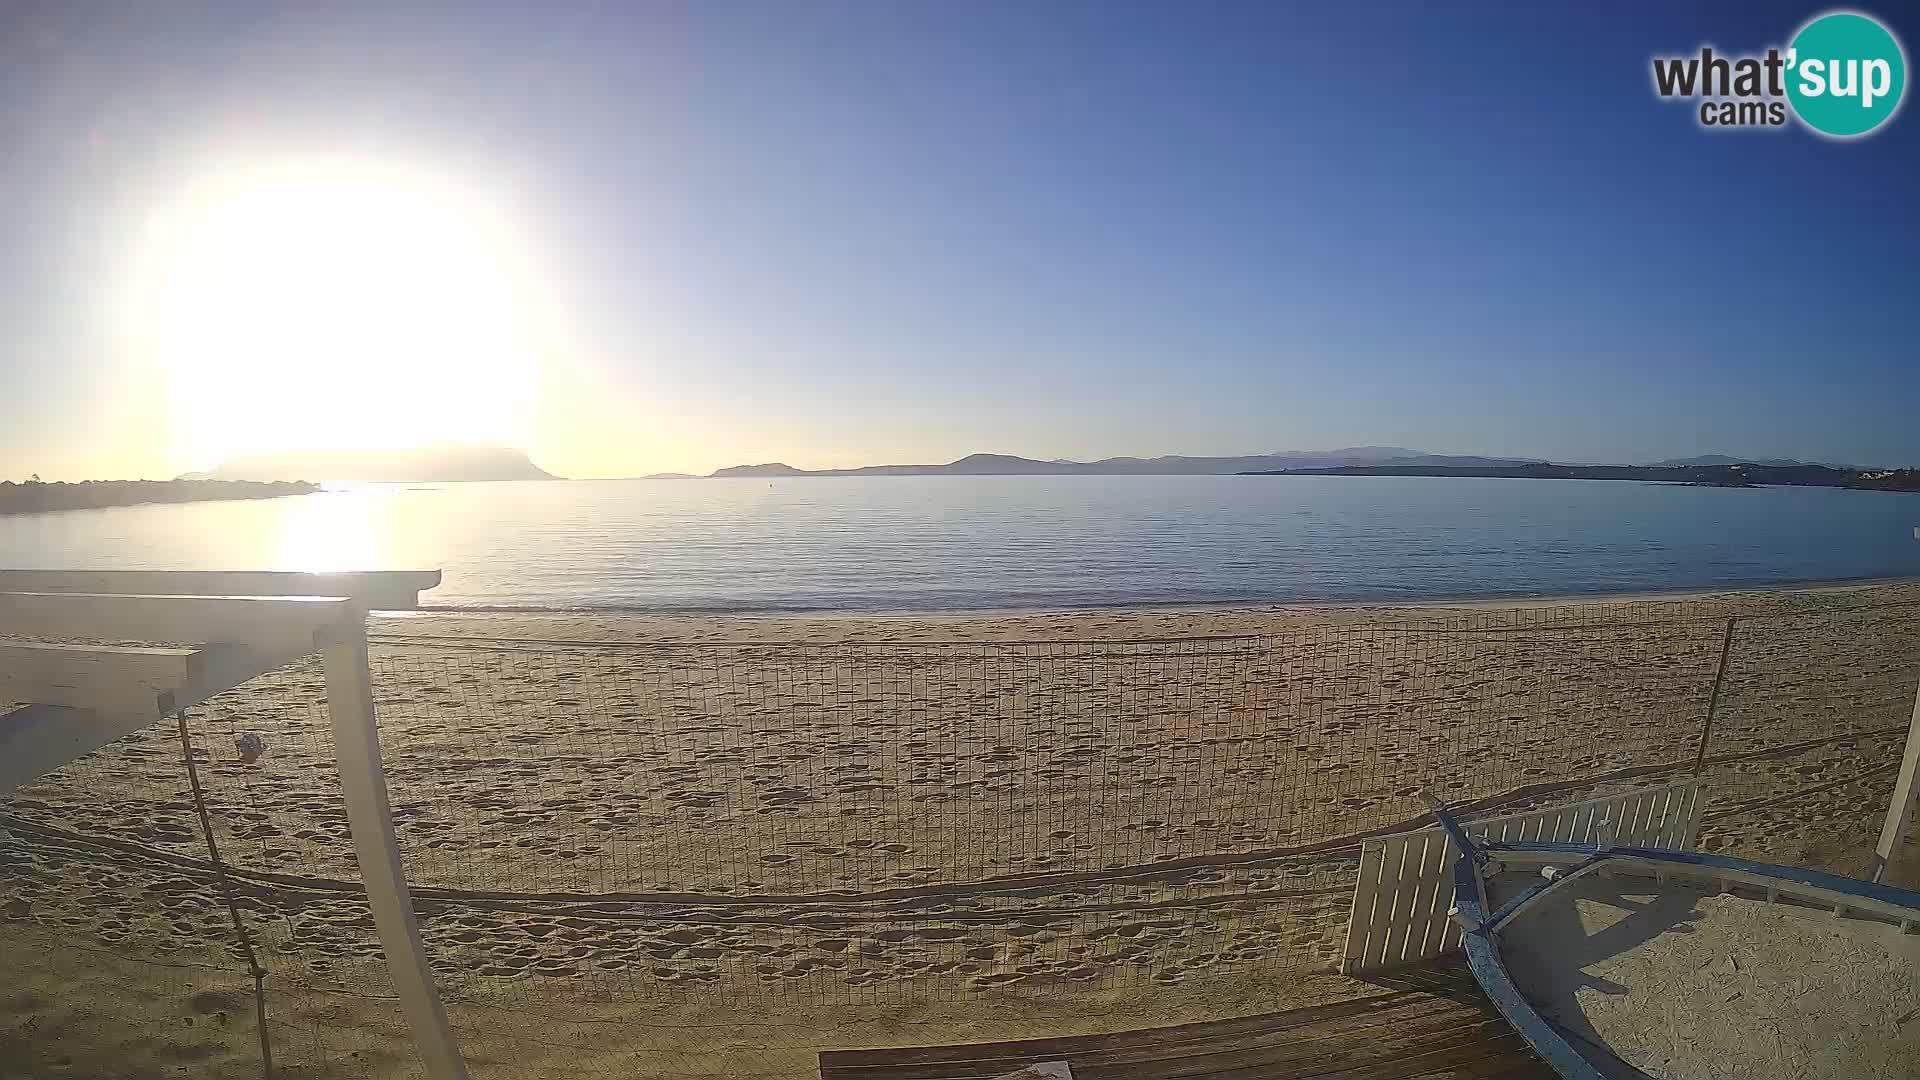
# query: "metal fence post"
(1713, 699)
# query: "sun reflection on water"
(341, 530)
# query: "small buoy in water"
(251, 746)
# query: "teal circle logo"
(1845, 74)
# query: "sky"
(640, 237)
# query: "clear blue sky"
(842, 233)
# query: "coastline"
(1119, 623)
(59, 496)
(1497, 599)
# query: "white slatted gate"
(1406, 880)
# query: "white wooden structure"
(1405, 890)
(1897, 856)
(222, 629)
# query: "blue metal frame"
(1483, 947)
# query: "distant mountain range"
(1744, 474)
(1723, 459)
(1172, 465)
(448, 463)
(412, 465)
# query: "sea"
(907, 544)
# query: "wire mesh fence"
(624, 852)
(1807, 736)
(117, 917)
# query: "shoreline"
(1063, 626)
(1454, 601)
(63, 497)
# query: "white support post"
(1897, 858)
(356, 741)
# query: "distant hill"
(1722, 459)
(670, 476)
(771, 468)
(1171, 465)
(418, 464)
(1741, 475)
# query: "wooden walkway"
(1427, 1024)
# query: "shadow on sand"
(1548, 948)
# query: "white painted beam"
(223, 667)
(363, 780)
(55, 725)
(271, 623)
(390, 589)
(108, 678)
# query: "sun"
(335, 305)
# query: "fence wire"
(675, 859)
(121, 930)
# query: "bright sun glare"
(336, 306)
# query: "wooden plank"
(1641, 825)
(46, 735)
(269, 623)
(1302, 1022)
(1392, 854)
(1678, 835)
(1376, 1047)
(1360, 918)
(1407, 901)
(1530, 826)
(1404, 870)
(1337, 1038)
(363, 780)
(223, 667)
(111, 678)
(1413, 913)
(390, 589)
(1658, 805)
(1627, 818)
(1580, 824)
(1371, 1048)
(1696, 809)
(1490, 1039)
(1563, 826)
(1897, 855)
(1433, 895)
(1676, 818)
(1300, 1041)
(1672, 829)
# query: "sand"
(1688, 984)
(752, 838)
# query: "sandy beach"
(674, 846)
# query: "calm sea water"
(971, 543)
